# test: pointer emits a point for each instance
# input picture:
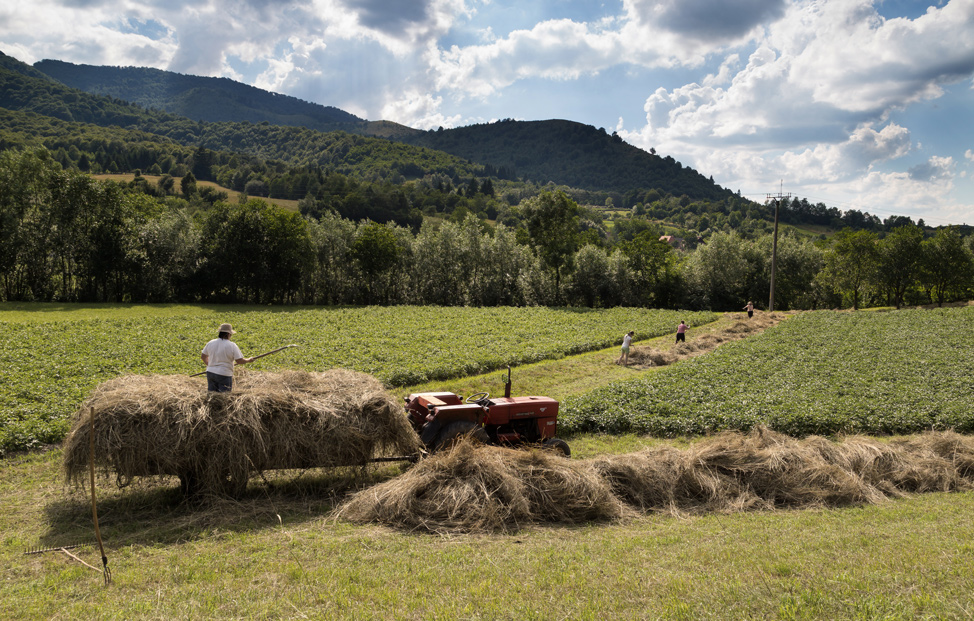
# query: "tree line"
(67, 237)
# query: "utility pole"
(777, 198)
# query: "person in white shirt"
(626, 344)
(220, 355)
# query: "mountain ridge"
(558, 151)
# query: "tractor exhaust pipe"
(507, 384)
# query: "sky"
(857, 104)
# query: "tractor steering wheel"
(476, 397)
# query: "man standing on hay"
(219, 356)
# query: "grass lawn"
(280, 554)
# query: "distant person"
(626, 344)
(219, 356)
(750, 310)
(681, 332)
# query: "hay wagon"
(169, 425)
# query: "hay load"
(170, 425)
(474, 488)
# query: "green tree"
(850, 265)
(948, 266)
(255, 253)
(648, 260)
(900, 260)
(333, 278)
(376, 250)
(592, 284)
(718, 273)
(552, 221)
(188, 185)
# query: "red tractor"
(440, 418)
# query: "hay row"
(161, 425)
(490, 489)
(644, 357)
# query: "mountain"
(558, 151)
(197, 98)
(569, 153)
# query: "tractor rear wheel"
(557, 444)
(453, 432)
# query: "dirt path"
(579, 374)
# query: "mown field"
(51, 356)
(818, 373)
(279, 552)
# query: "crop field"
(282, 552)
(51, 356)
(818, 373)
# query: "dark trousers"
(219, 383)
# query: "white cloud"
(813, 101)
(555, 49)
(418, 109)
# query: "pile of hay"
(766, 470)
(170, 425)
(489, 489)
(474, 488)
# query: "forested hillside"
(194, 97)
(571, 154)
(563, 152)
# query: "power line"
(777, 198)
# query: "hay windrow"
(766, 470)
(641, 357)
(473, 488)
(490, 489)
(170, 425)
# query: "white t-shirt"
(222, 353)
(626, 340)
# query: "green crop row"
(51, 357)
(818, 373)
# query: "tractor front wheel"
(557, 444)
(453, 432)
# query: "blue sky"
(859, 104)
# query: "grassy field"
(279, 552)
(817, 373)
(52, 356)
(232, 195)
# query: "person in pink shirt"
(681, 332)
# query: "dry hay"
(170, 425)
(645, 357)
(651, 357)
(488, 489)
(473, 488)
(765, 470)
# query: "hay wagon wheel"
(455, 431)
(230, 482)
